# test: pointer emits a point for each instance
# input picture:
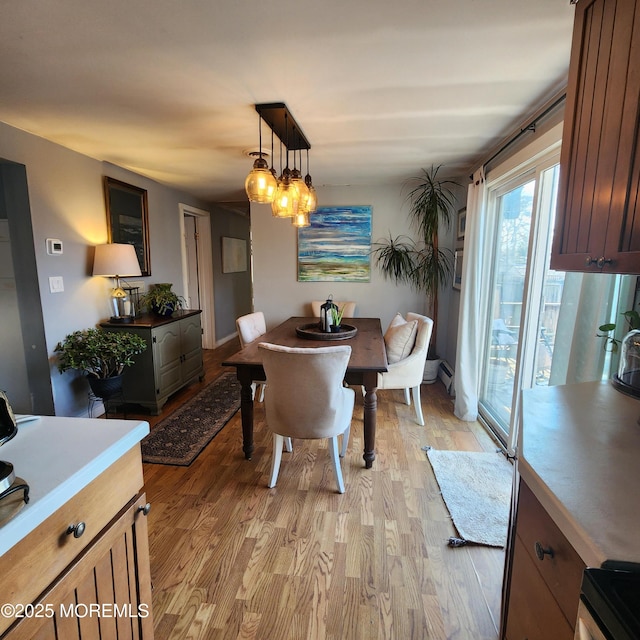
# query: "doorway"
(197, 267)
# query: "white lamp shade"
(115, 260)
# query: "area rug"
(476, 488)
(181, 436)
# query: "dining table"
(368, 358)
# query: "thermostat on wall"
(54, 247)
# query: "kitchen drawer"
(562, 571)
(35, 562)
(534, 613)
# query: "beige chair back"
(306, 397)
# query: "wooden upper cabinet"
(598, 214)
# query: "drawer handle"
(144, 509)
(76, 529)
(541, 552)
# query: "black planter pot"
(106, 388)
(164, 313)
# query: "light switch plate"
(56, 284)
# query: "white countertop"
(57, 457)
(580, 456)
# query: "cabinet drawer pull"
(144, 509)
(541, 552)
(76, 529)
(603, 261)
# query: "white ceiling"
(380, 88)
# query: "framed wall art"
(128, 218)
(457, 268)
(462, 223)
(336, 247)
(234, 255)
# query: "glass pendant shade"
(311, 203)
(260, 184)
(287, 200)
(301, 219)
(303, 190)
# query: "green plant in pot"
(336, 316)
(162, 300)
(422, 263)
(101, 356)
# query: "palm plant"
(421, 263)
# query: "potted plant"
(162, 300)
(336, 316)
(422, 263)
(101, 356)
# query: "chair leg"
(288, 446)
(418, 405)
(333, 447)
(345, 441)
(261, 399)
(278, 441)
(407, 398)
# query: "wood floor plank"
(231, 558)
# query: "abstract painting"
(336, 246)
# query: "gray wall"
(232, 291)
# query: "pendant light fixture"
(260, 184)
(293, 197)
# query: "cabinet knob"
(541, 552)
(144, 509)
(76, 529)
(602, 261)
(589, 261)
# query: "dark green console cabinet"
(172, 360)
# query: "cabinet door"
(106, 593)
(533, 612)
(597, 227)
(167, 352)
(191, 332)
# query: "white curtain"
(473, 316)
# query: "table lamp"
(116, 261)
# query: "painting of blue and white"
(337, 245)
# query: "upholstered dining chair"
(349, 308)
(250, 327)
(306, 399)
(407, 342)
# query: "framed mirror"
(128, 218)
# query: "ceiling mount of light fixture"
(283, 124)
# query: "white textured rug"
(476, 488)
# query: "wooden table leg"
(246, 410)
(370, 411)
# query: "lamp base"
(120, 319)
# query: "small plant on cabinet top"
(161, 300)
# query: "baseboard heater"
(447, 375)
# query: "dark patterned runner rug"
(181, 436)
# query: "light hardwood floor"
(231, 558)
